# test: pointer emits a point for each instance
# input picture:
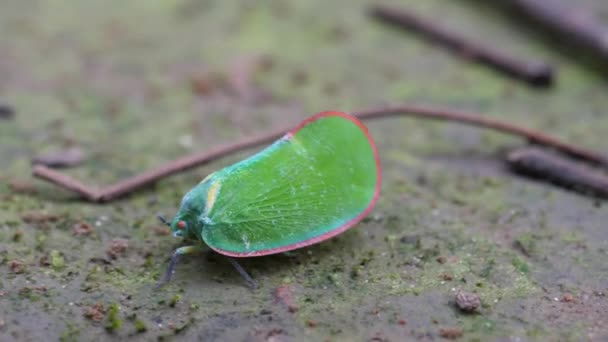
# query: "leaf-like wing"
(318, 180)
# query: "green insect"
(315, 182)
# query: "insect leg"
(171, 269)
(243, 273)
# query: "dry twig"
(535, 73)
(146, 178)
(548, 166)
(574, 24)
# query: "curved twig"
(136, 182)
(473, 119)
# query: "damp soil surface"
(132, 84)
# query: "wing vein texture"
(295, 190)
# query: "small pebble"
(311, 323)
(82, 228)
(451, 333)
(118, 247)
(95, 313)
(22, 186)
(6, 112)
(446, 277)
(568, 298)
(39, 217)
(203, 84)
(68, 157)
(467, 301)
(161, 231)
(16, 266)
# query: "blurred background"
(113, 88)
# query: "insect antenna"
(164, 220)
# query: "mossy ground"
(116, 78)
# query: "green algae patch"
(520, 264)
(113, 321)
(70, 334)
(493, 277)
(174, 300)
(57, 260)
(116, 79)
(140, 326)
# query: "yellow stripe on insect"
(212, 195)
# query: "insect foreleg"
(171, 269)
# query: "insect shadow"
(209, 265)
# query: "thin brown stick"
(573, 23)
(474, 119)
(551, 167)
(67, 182)
(535, 73)
(184, 163)
(148, 177)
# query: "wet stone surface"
(135, 84)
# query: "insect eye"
(181, 224)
